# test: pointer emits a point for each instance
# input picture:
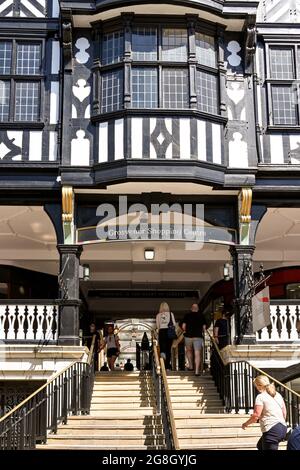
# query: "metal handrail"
(163, 398)
(169, 405)
(234, 382)
(40, 389)
(260, 371)
(68, 391)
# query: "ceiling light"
(149, 254)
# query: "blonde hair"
(164, 307)
(264, 382)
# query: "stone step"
(120, 421)
(115, 430)
(211, 425)
(122, 393)
(122, 413)
(66, 439)
(190, 380)
(140, 400)
(110, 389)
(200, 418)
(225, 433)
(123, 406)
(192, 397)
(112, 446)
(191, 387)
(198, 404)
(250, 445)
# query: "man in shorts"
(194, 327)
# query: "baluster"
(54, 324)
(3, 317)
(21, 321)
(48, 309)
(274, 331)
(12, 310)
(40, 320)
(293, 322)
(30, 320)
(265, 336)
(284, 315)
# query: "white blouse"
(163, 319)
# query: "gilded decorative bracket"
(245, 198)
(245, 206)
(68, 213)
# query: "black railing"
(163, 401)
(68, 393)
(234, 382)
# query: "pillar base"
(247, 339)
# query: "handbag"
(289, 429)
(171, 329)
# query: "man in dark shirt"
(194, 327)
(128, 366)
(221, 331)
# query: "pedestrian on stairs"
(163, 319)
(270, 411)
(194, 327)
(113, 347)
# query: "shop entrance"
(125, 289)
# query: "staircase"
(123, 416)
(200, 419)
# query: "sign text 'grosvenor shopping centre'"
(158, 222)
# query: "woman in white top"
(270, 411)
(113, 347)
(162, 321)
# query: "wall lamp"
(227, 271)
(84, 272)
(149, 254)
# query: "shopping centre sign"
(122, 221)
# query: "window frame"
(130, 22)
(270, 82)
(13, 78)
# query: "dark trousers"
(270, 440)
(165, 345)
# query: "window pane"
(282, 63)
(28, 59)
(27, 101)
(205, 49)
(284, 100)
(5, 57)
(112, 91)
(174, 45)
(175, 88)
(112, 47)
(144, 87)
(144, 44)
(4, 100)
(207, 92)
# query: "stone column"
(243, 287)
(69, 294)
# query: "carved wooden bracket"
(67, 39)
(67, 204)
(250, 44)
(245, 198)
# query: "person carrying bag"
(270, 411)
(165, 323)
